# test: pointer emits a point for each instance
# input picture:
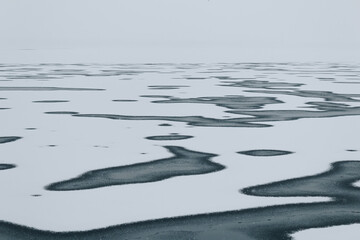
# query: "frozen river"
(180, 151)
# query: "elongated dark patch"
(185, 162)
(51, 101)
(170, 137)
(4, 166)
(260, 84)
(265, 152)
(48, 89)
(9, 139)
(166, 87)
(61, 112)
(124, 100)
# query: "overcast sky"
(183, 29)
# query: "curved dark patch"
(4, 166)
(170, 137)
(335, 183)
(265, 223)
(165, 125)
(185, 162)
(265, 152)
(9, 139)
(30, 128)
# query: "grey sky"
(187, 28)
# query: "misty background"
(179, 30)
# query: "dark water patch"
(5, 166)
(258, 118)
(9, 139)
(165, 125)
(52, 145)
(3, 98)
(195, 78)
(348, 75)
(264, 152)
(261, 84)
(157, 96)
(38, 77)
(166, 87)
(112, 72)
(326, 79)
(5, 108)
(290, 115)
(326, 95)
(336, 183)
(348, 82)
(170, 137)
(51, 101)
(184, 162)
(48, 89)
(30, 128)
(230, 101)
(264, 223)
(36, 195)
(351, 150)
(327, 106)
(61, 112)
(124, 100)
(190, 120)
(232, 78)
(100, 146)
